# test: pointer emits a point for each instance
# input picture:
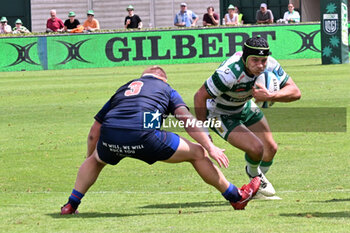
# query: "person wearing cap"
(291, 16)
(54, 24)
(231, 18)
(91, 24)
(19, 28)
(132, 20)
(264, 16)
(4, 27)
(185, 17)
(71, 23)
(227, 97)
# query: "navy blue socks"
(75, 198)
(231, 194)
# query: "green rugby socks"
(265, 166)
(252, 166)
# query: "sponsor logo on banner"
(73, 51)
(23, 54)
(344, 27)
(330, 23)
(308, 41)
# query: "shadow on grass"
(96, 215)
(341, 214)
(334, 200)
(120, 215)
(187, 205)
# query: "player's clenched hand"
(218, 155)
(260, 93)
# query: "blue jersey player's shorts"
(148, 146)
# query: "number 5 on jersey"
(134, 88)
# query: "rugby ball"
(272, 84)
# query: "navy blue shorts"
(148, 146)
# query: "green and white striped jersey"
(231, 87)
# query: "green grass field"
(46, 116)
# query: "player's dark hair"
(255, 46)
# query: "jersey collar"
(155, 76)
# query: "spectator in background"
(19, 28)
(4, 27)
(264, 16)
(54, 24)
(71, 23)
(132, 20)
(91, 24)
(210, 18)
(231, 18)
(240, 16)
(185, 18)
(291, 16)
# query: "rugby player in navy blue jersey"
(119, 132)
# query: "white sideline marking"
(177, 192)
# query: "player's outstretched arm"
(288, 93)
(200, 103)
(93, 137)
(201, 137)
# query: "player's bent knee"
(271, 148)
(256, 149)
(198, 152)
(274, 148)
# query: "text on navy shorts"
(148, 146)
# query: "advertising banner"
(199, 45)
(334, 31)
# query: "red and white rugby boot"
(266, 188)
(68, 209)
(247, 192)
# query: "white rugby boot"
(266, 187)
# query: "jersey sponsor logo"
(237, 67)
(237, 99)
(240, 77)
(245, 86)
(152, 120)
(23, 54)
(279, 73)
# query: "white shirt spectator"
(5, 29)
(294, 17)
(229, 20)
(291, 16)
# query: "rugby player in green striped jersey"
(227, 97)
